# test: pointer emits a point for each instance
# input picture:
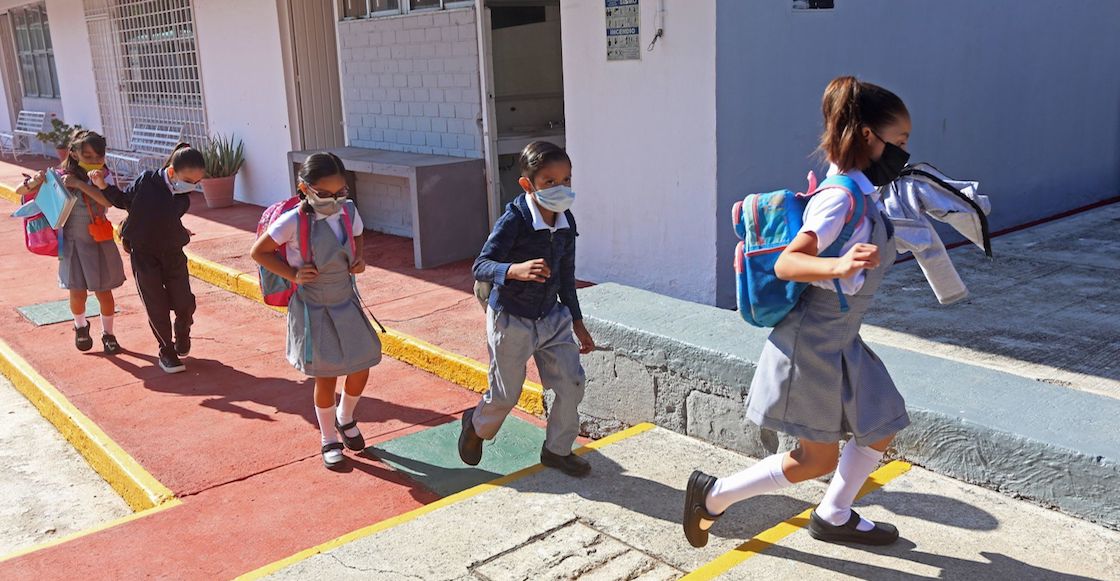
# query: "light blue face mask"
(182, 187)
(556, 199)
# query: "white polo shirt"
(538, 218)
(825, 216)
(285, 230)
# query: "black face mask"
(887, 168)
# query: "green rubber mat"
(56, 312)
(431, 456)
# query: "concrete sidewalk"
(622, 522)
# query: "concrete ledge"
(687, 367)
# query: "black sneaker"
(183, 346)
(82, 340)
(470, 444)
(572, 464)
(110, 344)
(170, 363)
(822, 530)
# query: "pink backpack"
(277, 290)
(38, 235)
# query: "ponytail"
(185, 157)
(848, 106)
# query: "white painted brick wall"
(411, 83)
(384, 204)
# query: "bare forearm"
(801, 267)
(273, 264)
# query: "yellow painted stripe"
(443, 502)
(774, 535)
(9, 193)
(136, 486)
(95, 529)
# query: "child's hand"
(586, 342)
(530, 271)
(34, 181)
(71, 182)
(860, 257)
(306, 274)
(97, 176)
(359, 266)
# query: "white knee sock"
(326, 424)
(107, 324)
(80, 321)
(346, 412)
(765, 476)
(856, 464)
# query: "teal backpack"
(766, 224)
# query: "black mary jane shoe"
(82, 340)
(333, 458)
(109, 342)
(357, 443)
(695, 508)
(572, 464)
(822, 530)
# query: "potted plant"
(58, 136)
(224, 157)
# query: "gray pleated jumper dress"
(816, 378)
(328, 332)
(82, 263)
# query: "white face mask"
(556, 199)
(181, 187)
(323, 206)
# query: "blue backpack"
(766, 224)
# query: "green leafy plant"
(224, 156)
(59, 135)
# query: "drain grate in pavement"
(575, 551)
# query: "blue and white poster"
(623, 40)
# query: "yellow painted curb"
(423, 510)
(9, 193)
(172, 503)
(455, 368)
(774, 535)
(132, 482)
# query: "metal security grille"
(145, 64)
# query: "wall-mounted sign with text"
(623, 40)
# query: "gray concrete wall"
(688, 367)
(411, 83)
(1023, 96)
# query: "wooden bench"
(151, 145)
(28, 126)
(438, 201)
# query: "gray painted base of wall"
(687, 367)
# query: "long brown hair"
(848, 106)
(78, 141)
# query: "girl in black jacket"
(155, 236)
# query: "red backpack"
(277, 290)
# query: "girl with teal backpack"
(813, 276)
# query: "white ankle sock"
(346, 412)
(765, 476)
(326, 424)
(856, 464)
(107, 324)
(80, 321)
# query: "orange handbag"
(100, 228)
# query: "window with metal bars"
(146, 64)
(34, 51)
(351, 9)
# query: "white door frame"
(489, 119)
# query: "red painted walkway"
(235, 436)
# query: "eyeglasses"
(343, 193)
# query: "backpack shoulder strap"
(303, 221)
(348, 225)
(855, 215)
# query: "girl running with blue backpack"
(816, 379)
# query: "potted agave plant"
(224, 158)
(58, 136)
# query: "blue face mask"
(556, 199)
(182, 187)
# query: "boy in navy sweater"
(533, 310)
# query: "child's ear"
(526, 185)
(170, 173)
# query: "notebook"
(54, 200)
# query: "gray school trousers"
(552, 343)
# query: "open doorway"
(527, 69)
